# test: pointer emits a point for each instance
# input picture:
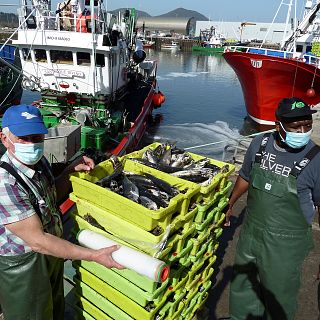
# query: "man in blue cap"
(32, 250)
(281, 172)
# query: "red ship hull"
(265, 80)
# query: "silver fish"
(130, 190)
(148, 203)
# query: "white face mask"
(28, 153)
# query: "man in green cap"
(281, 172)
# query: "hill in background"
(9, 20)
(179, 13)
(139, 13)
(182, 13)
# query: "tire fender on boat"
(28, 83)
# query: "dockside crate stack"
(185, 235)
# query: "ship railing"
(306, 58)
(235, 149)
(50, 20)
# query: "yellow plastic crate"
(87, 311)
(122, 284)
(84, 187)
(206, 193)
(141, 281)
(95, 305)
(102, 291)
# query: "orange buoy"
(311, 93)
(157, 99)
(163, 97)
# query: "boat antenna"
(274, 18)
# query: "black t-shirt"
(281, 161)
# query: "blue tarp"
(272, 53)
(7, 52)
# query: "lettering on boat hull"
(256, 63)
(64, 73)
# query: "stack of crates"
(184, 235)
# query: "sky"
(216, 10)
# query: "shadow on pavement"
(220, 286)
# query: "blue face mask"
(296, 140)
(28, 153)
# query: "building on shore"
(246, 31)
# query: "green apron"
(31, 284)
(274, 241)
(35, 282)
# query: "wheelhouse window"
(26, 54)
(40, 55)
(299, 48)
(83, 58)
(100, 60)
(63, 57)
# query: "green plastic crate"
(218, 200)
(84, 187)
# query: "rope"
(314, 75)
(295, 77)
(237, 139)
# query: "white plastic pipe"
(142, 263)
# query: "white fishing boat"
(84, 62)
(174, 45)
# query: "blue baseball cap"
(23, 120)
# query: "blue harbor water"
(204, 102)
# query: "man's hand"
(86, 164)
(104, 257)
(228, 215)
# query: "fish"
(148, 203)
(158, 166)
(90, 219)
(105, 181)
(166, 157)
(148, 155)
(157, 199)
(166, 187)
(140, 180)
(130, 190)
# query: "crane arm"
(302, 27)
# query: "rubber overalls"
(274, 241)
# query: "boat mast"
(94, 44)
(287, 22)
